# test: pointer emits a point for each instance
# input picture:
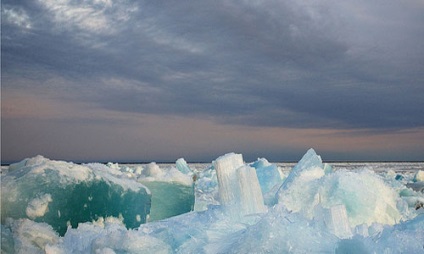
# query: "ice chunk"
(172, 190)
(182, 166)
(399, 177)
(308, 168)
(38, 206)
(280, 231)
(362, 230)
(418, 186)
(337, 221)
(405, 237)
(206, 188)
(109, 236)
(317, 208)
(366, 197)
(31, 237)
(251, 200)
(299, 191)
(169, 199)
(419, 176)
(7, 243)
(61, 193)
(152, 170)
(269, 179)
(328, 169)
(153, 173)
(239, 187)
(364, 194)
(210, 231)
(226, 167)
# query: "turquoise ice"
(65, 194)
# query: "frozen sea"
(224, 206)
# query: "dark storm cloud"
(273, 63)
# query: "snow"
(38, 206)
(153, 173)
(30, 237)
(310, 207)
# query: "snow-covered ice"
(62, 194)
(258, 207)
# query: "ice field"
(226, 206)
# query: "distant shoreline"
(173, 162)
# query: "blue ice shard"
(269, 179)
(182, 166)
(309, 162)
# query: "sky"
(118, 80)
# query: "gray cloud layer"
(302, 64)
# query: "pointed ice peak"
(310, 161)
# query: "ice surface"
(62, 194)
(319, 210)
(239, 188)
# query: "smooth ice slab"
(169, 199)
